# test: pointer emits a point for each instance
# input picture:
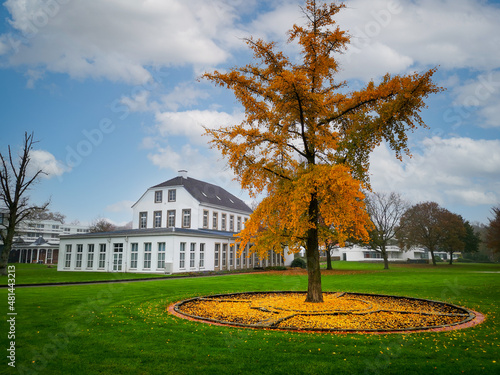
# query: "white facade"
(394, 254)
(181, 225)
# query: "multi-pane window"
(90, 255)
(49, 256)
(157, 219)
(147, 255)
(231, 223)
(224, 254)
(250, 258)
(244, 257)
(236, 255)
(67, 260)
(158, 196)
(182, 255)
(202, 255)
(170, 218)
(171, 195)
(215, 219)
(134, 254)
(143, 220)
(223, 222)
(192, 255)
(231, 256)
(79, 256)
(161, 255)
(186, 218)
(216, 254)
(102, 255)
(238, 224)
(205, 219)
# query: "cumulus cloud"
(121, 207)
(448, 33)
(45, 161)
(479, 97)
(117, 40)
(206, 166)
(456, 171)
(191, 123)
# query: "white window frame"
(158, 196)
(134, 255)
(161, 255)
(147, 256)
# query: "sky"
(111, 90)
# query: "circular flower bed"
(339, 312)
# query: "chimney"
(183, 173)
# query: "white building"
(38, 240)
(180, 225)
(394, 254)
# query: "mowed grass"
(40, 273)
(124, 328)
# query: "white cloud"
(448, 33)
(118, 39)
(191, 123)
(479, 96)
(206, 166)
(121, 207)
(45, 161)
(459, 171)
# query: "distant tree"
(385, 210)
(15, 182)
(472, 239)
(453, 233)
(306, 139)
(101, 225)
(48, 215)
(426, 224)
(493, 231)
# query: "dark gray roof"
(207, 193)
(153, 231)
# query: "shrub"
(276, 268)
(299, 262)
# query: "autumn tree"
(493, 231)
(430, 225)
(385, 210)
(306, 139)
(453, 233)
(15, 182)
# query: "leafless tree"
(15, 182)
(386, 210)
(101, 225)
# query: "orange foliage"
(305, 139)
(339, 311)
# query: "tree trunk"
(314, 292)
(451, 258)
(328, 257)
(8, 240)
(386, 260)
(432, 256)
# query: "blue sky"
(110, 89)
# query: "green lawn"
(124, 329)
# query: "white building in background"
(395, 254)
(180, 225)
(37, 241)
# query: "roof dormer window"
(158, 196)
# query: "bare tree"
(15, 182)
(101, 225)
(385, 210)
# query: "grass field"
(124, 329)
